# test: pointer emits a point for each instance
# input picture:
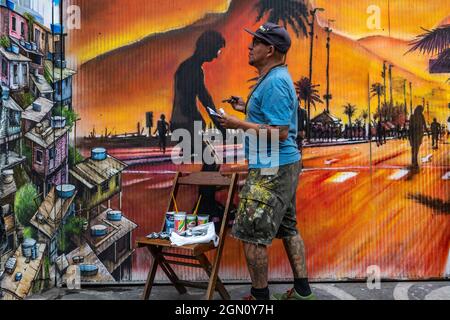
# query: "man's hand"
(229, 122)
(237, 103)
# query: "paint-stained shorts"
(267, 207)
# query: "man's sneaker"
(292, 295)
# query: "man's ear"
(271, 51)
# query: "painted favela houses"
(52, 200)
(86, 105)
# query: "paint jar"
(191, 221)
(180, 222)
(202, 219)
(170, 222)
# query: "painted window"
(24, 73)
(123, 245)
(16, 74)
(22, 29)
(39, 156)
(52, 154)
(14, 118)
(4, 68)
(105, 186)
(14, 24)
(10, 242)
(37, 35)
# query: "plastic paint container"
(203, 219)
(191, 221)
(170, 222)
(180, 222)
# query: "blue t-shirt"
(274, 103)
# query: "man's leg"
(257, 263)
(295, 249)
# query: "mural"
(81, 177)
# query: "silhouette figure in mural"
(190, 86)
(417, 128)
(435, 133)
(302, 123)
(380, 130)
(162, 128)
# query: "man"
(267, 207)
(162, 128)
(435, 133)
(417, 127)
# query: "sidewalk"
(439, 290)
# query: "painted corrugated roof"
(10, 103)
(116, 230)
(42, 84)
(35, 116)
(52, 210)
(92, 172)
(12, 56)
(48, 138)
(66, 72)
(90, 257)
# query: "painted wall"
(18, 78)
(21, 26)
(93, 197)
(47, 165)
(359, 204)
(66, 95)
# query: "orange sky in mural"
(108, 25)
(117, 89)
(406, 16)
(111, 24)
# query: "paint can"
(170, 222)
(29, 249)
(180, 222)
(203, 219)
(191, 221)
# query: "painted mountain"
(126, 55)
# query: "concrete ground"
(324, 291)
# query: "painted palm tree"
(290, 12)
(436, 42)
(349, 111)
(364, 116)
(378, 90)
(307, 91)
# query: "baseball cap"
(273, 34)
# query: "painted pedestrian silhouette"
(162, 128)
(417, 128)
(435, 133)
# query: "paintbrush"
(198, 204)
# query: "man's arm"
(231, 122)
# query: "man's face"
(258, 50)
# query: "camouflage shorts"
(267, 207)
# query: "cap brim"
(258, 36)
